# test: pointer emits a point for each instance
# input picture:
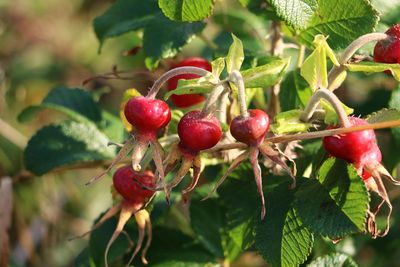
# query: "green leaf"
(310, 156)
(193, 86)
(384, 115)
(289, 122)
(243, 24)
(235, 56)
(336, 203)
(173, 248)
(112, 126)
(176, 115)
(168, 248)
(295, 91)
(63, 144)
(395, 99)
(375, 67)
(331, 116)
(296, 13)
(314, 68)
(213, 230)
(281, 238)
(74, 102)
(334, 259)
(395, 103)
(125, 16)
(218, 66)
(343, 21)
(186, 10)
(239, 195)
(163, 38)
(206, 220)
(265, 75)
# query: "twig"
(330, 132)
(332, 99)
(276, 50)
(172, 73)
(212, 99)
(349, 52)
(237, 78)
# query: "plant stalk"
(330, 132)
(349, 52)
(237, 78)
(172, 73)
(332, 99)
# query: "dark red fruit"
(198, 132)
(388, 50)
(147, 115)
(127, 183)
(184, 101)
(250, 130)
(352, 146)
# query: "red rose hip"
(351, 146)
(198, 132)
(127, 183)
(250, 130)
(147, 115)
(388, 50)
(187, 100)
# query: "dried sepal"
(231, 168)
(274, 156)
(125, 214)
(258, 178)
(109, 213)
(143, 222)
(375, 184)
(127, 147)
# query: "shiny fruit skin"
(388, 50)
(124, 182)
(197, 132)
(352, 146)
(187, 100)
(250, 130)
(147, 115)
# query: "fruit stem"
(349, 52)
(332, 99)
(236, 145)
(212, 99)
(237, 78)
(330, 132)
(222, 107)
(172, 73)
(312, 135)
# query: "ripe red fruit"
(198, 132)
(352, 146)
(388, 50)
(127, 183)
(250, 130)
(147, 115)
(184, 101)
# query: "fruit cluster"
(199, 130)
(361, 149)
